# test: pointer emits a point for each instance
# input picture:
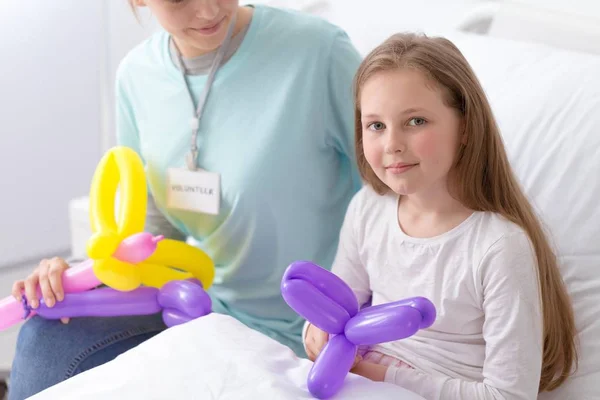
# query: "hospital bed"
(546, 97)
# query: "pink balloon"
(78, 278)
(137, 247)
(11, 312)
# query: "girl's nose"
(394, 143)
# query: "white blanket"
(213, 357)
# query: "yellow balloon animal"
(124, 256)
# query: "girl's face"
(410, 136)
(198, 26)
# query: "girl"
(271, 138)
(443, 217)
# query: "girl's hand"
(372, 371)
(48, 275)
(315, 340)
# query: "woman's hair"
(481, 178)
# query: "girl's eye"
(416, 121)
(376, 126)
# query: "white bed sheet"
(213, 357)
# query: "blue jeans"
(49, 352)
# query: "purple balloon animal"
(328, 303)
(179, 301)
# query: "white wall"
(433, 17)
(123, 31)
(56, 112)
(579, 7)
(392, 16)
(49, 120)
(57, 72)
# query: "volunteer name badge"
(197, 191)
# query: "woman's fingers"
(45, 287)
(55, 272)
(17, 289)
(31, 284)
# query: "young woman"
(253, 103)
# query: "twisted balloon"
(328, 303)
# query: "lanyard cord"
(192, 159)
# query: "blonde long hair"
(481, 178)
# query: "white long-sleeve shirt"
(487, 340)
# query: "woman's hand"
(48, 275)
